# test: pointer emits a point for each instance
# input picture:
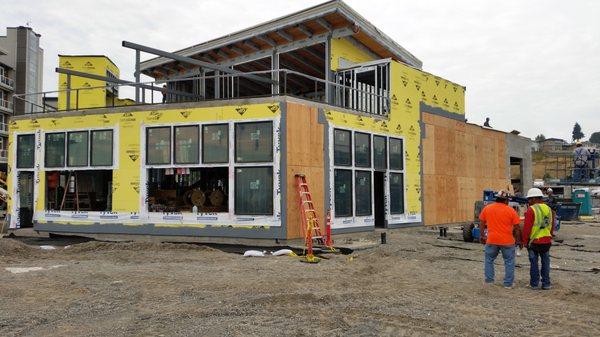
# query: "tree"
(577, 134)
(540, 138)
(595, 138)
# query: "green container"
(583, 197)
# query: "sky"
(529, 65)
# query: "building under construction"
(211, 147)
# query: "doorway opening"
(516, 175)
(379, 198)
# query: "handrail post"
(77, 99)
(44, 102)
(152, 93)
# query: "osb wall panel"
(305, 149)
(460, 160)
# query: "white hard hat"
(535, 193)
(549, 190)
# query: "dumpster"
(583, 197)
(568, 211)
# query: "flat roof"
(334, 13)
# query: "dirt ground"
(416, 285)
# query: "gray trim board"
(440, 112)
(151, 229)
(352, 230)
(405, 225)
(326, 192)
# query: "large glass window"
(396, 154)
(253, 142)
(363, 193)
(102, 148)
(342, 152)
(379, 153)
(25, 151)
(55, 149)
(186, 144)
(396, 193)
(343, 193)
(77, 148)
(362, 149)
(254, 190)
(158, 145)
(215, 143)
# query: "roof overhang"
(333, 18)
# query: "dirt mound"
(14, 248)
(99, 246)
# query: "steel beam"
(324, 24)
(285, 35)
(304, 30)
(137, 75)
(304, 63)
(70, 72)
(190, 60)
(267, 40)
(251, 45)
(237, 50)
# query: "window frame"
(402, 161)
(20, 167)
(170, 128)
(350, 148)
(87, 163)
(91, 147)
(352, 199)
(370, 159)
(403, 181)
(64, 162)
(203, 160)
(385, 156)
(235, 147)
(370, 173)
(235, 189)
(174, 143)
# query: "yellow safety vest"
(542, 223)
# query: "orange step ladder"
(310, 221)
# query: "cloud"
(528, 65)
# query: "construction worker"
(537, 236)
(164, 91)
(580, 162)
(498, 228)
(487, 122)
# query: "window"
(342, 154)
(379, 153)
(186, 144)
(77, 148)
(396, 154)
(55, 150)
(397, 193)
(93, 188)
(363, 193)
(25, 151)
(158, 146)
(254, 190)
(215, 143)
(362, 149)
(102, 148)
(343, 192)
(253, 142)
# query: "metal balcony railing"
(7, 81)
(3, 127)
(226, 87)
(3, 154)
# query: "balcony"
(3, 129)
(6, 106)
(7, 83)
(347, 92)
(3, 156)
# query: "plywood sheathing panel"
(305, 155)
(460, 160)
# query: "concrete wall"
(520, 147)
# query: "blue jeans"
(579, 173)
(543, 253)
(508, 254)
